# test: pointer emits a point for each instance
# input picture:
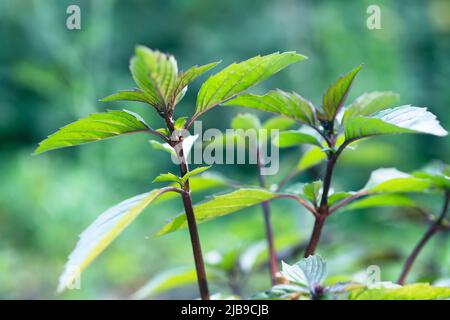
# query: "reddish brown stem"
(315, 236)
(434, 227)
(273, 263)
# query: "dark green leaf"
(336, 94)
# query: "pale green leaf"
(312, 190)
(163, 146)
(336, 94)
(99, 235)
(390, 180)
(128, 95)
(370, 103)
(310, 158)
(179, 123)
(186, 77)
(293, 138)
(166, 281)
(194, 172)
(219, 206)
(437, 173)
(97, 126)
(238, 77)
(338, 196)
(404, 119)
(288, 104)
(278, 123)
(417, 291)
(245, 121)
(167, 177)
(156, 74)
(308, 272)
(382, 200)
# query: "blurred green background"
(50, 76)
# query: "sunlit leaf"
(186, 77)
(99, 235)
(293, 138)
(370, 103)
(313, 156)
(279, 102)
(278, 123)
(404, 119)
(97, 126)
(163, 146)
(389, 180)
(245, 121)
(219, 206)
(382, 200)
(156, 74)
(167, 177)
(238, 77)
(417, 291)
(128, 95)
(437, 173)
(312, 190)
(194, 172)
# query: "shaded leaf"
(99, 235)
(288, 104)
(166, 281)
(97, 126)
(219, 206)
(336, 94)
(238, 77)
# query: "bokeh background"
(50, 76)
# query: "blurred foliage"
(50, 76)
